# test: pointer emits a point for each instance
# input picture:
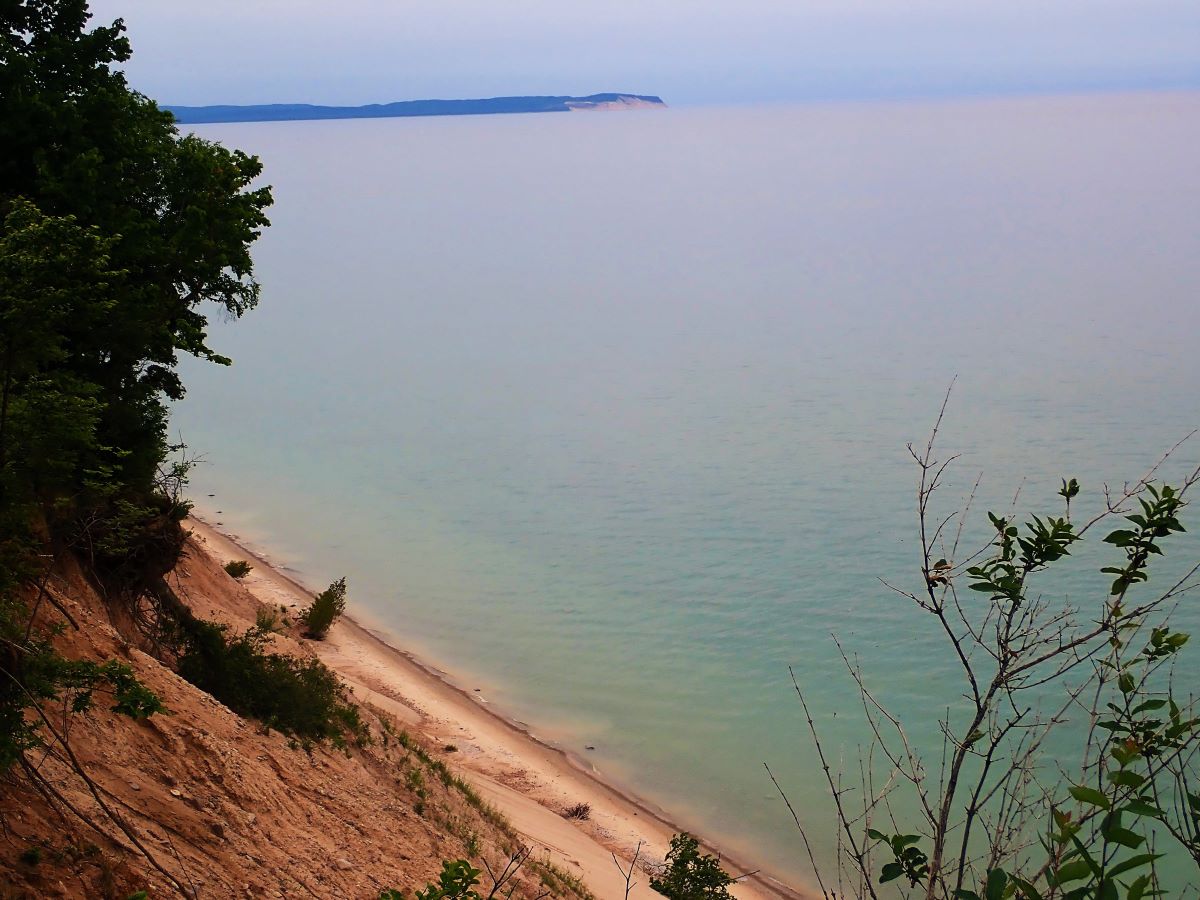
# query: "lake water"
(607, 413)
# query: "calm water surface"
(608, 412)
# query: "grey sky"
(699, 51)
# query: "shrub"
(325, 609)
(691, 875)
(580, 811)
(1068, 753)
(300, 697)
(238, 568)
(456, 882)
(267, 618)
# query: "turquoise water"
(608, 412)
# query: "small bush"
(300, 697)
(580, 811)
(268, 619)
(325, 609)
(559, 882)
(450, 748)
(238, 568)
(690, 874)
(416, 782)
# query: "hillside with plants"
(161, 732)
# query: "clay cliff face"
(225, 808)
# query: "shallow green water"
(608, 413)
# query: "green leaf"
(1134, 862)
(1028, 891)
(891, 872)
(1125, 778)
(1087, 857)
(1088, 795)
(997, 881)
(1138, 888)
(1124, 837)
(1149, 705)
(1142, 808)
(1072, 871)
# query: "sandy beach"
(530, 781)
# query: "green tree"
(115, 230)
(117, 235)
(176, 213)
(690, 874)
(54, 274)
(326, 607)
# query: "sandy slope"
(529, 781)
(223, 807)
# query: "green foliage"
(1100, 850)
(691, 875)
(238, 568)
(300, 697)
(326, 607)
(455, 883)
(54, 273)
(993, 821)
(114, 230)
(560, 882)
(1156, 521)
(909, 860)
(267, 619)
(43, 677)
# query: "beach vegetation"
(690, 874)
(558, 881)
(300, 697)
(459, 879)
(1091, 672)
(116, 234)
(238, 568)
(456, 882)
(324, 610)
(271, 619)
(579, 811)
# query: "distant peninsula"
(281, 112)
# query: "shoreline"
(529, 779)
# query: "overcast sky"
(688, 51)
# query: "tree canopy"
(118, 235)
(116, 230)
